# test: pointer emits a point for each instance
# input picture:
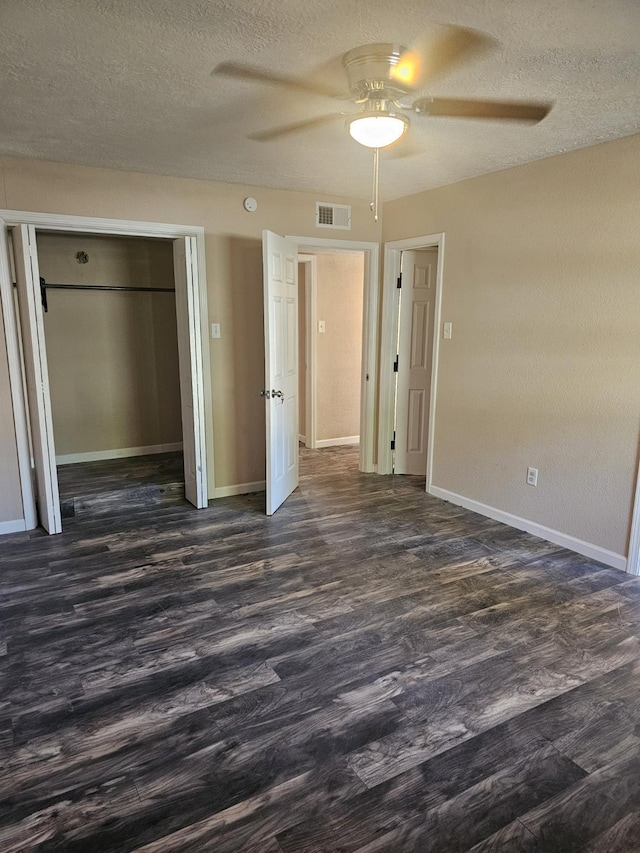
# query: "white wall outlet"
(532, 476)
(215, 330)
(447, 331)
(321, 327)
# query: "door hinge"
(399, 281)
(393, 441)
(395, 364)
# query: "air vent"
(333, 215)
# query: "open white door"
(190, 363)
(415, 349)
(280, 264)
(35, 362)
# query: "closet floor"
(110, 485)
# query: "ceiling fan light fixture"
(379, 130)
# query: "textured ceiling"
(127, 84)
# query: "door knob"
(266, 394)
(277, 394)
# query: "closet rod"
(107, 287)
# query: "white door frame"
(311, 347)
(633, 555)
(390, 302)
(371, 301)
(108, 227)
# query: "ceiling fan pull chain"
(376, 183)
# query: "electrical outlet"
(532, 476)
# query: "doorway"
(368, 369)
(330, 312)
(185, 253)
(411, 311)
(112, 354)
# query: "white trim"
(311, 346)
(117, 453)
(115, 227)
(36, 377)
(392, 260)
(17, 526)
(302, 439)
(98, 225)
(336, 442)
(371, 301)
(633, 560)
(239, 489)
(18, 402)
(595, 552)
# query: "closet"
(112, 357)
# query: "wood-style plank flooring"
(104, 486)
(370, 670)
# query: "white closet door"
(37, 377)
(190, 363)
(415, 357)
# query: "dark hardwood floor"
(370, 670)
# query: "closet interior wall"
(112, 356)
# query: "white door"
(415, 350)
(37, 377)
(190, 364)
(280, 265)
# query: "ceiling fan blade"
(525, 111)
(454, 47)
(294, 127)
(258, 75)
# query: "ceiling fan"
(383, 81)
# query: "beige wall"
(234, 275)
(541, 283)
(340, 284)
(112, 357)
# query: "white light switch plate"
(215, 330)
(447, 331)
(321, 327)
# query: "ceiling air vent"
(333, 215)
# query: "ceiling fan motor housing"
(369, 71)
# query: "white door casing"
(37, 377)
(185, 262)
(370, 336)
(393, 252)
(197, 329)
(415, 347)
(280, 270)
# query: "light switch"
(447, 331)
(321, 327)
(215, 330)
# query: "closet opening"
(110, 333)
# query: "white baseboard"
(117, 453)
(239, 489)
(17, 526)
(302, 438)
(335, 442)
(595, 552)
